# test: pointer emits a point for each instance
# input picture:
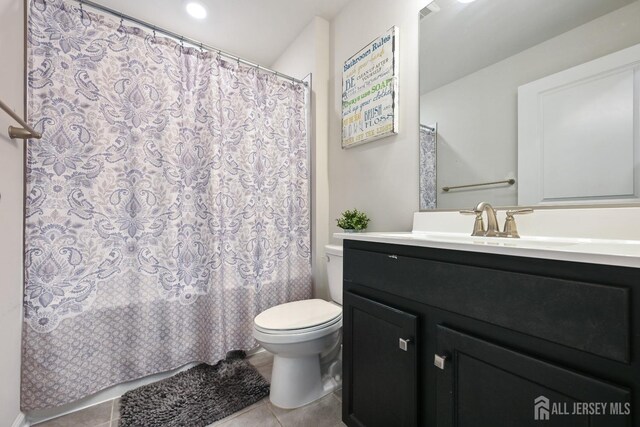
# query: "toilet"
(305, 338)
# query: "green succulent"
(353, 220)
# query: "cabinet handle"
(439, 361)
(404, 344)
(393, 256)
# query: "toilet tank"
(334, 271)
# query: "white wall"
(477, 114)
(11, 211)
(309, 53)
(380, 177)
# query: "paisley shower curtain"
(167, 203)
(428, 159)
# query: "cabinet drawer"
(590, 317)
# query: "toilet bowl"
(305, 338)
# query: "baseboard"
(21, 421)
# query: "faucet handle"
(511, 213)
(510, 228)
(478, 225)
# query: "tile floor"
(325, 412)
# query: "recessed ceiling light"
(196, 9)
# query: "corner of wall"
(11, 211)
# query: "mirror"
(529, 102)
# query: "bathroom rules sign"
(370, 91)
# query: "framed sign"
(370, 91)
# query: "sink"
(523, 242)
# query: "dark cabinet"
(380, 373)
(483, 384)
(514, 339)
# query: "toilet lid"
(298, 315)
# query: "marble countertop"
(625, 253)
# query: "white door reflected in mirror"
(577, 136)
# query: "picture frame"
(370, 91)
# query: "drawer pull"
(393, 256)
(404, 344)
(439, 361)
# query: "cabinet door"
(380, 371)
(483, 384)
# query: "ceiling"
(256, 30)
(463, 38)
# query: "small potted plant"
(352, 221)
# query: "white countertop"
(624, 253)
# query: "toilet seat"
(297, 336)
(298, 316)
(297, 322)
(325, 325)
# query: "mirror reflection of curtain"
(167, 203)
(428, 150)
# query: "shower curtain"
(167, 203)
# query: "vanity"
(445, 329)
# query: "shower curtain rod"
(188, 40)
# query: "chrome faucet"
(493, 230)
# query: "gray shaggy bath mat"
(196, 397)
